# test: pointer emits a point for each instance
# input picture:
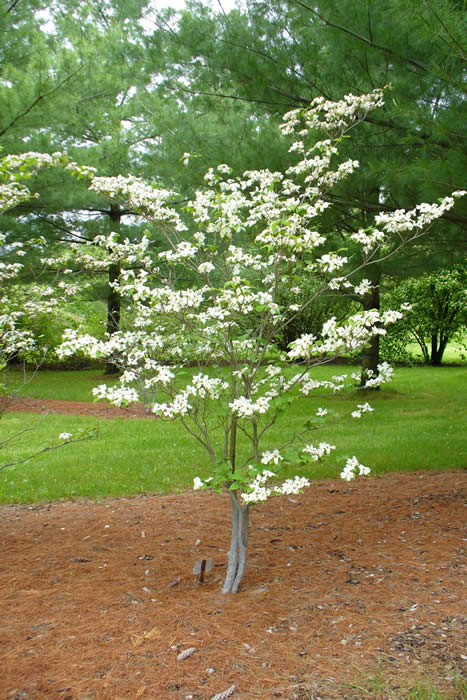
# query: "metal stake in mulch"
(202, 566)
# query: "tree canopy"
(273, 57)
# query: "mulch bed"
(82, 408)
(98, 600)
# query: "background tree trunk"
(113, 298)
(370, 354)
(438, 348)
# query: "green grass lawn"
(418, 423)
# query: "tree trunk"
(113, 298)
(437, 349)
(370, 354)
(238, 545)
(239, 536)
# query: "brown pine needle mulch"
(344, 582)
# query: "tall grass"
(417, 424)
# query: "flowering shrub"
(20, 306)
(248, 238)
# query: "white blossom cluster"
(18, 308)
(382, 376)
(182, 251)
(15, 168)
(329, 116)
(275, 457)
(13, 194)
(202, 387)
(243, 407)
(352, 335)
(118, 396)
(206, 267)
(103, 251)
(353, 468)
(259, 491)
(240, 258)
(75, 341)
(363, 288)
(9, 271)
(140, 196)
(337, 283)
(317, 453)
(368, 239)
(361, 409)
(420, 217)
(330, 262)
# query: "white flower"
(363, 288)
(292, 486)
(197, 483)
(244, 407)
(331, 262)
(319, 452)
(205, 268)
(352, 465)
(321, 411)
(268, 457)
(65, 436)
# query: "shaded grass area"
(417, 424)
(455, 353)
(425, 684)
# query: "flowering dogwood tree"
(210, 300)
(16, 308)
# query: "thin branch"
(428, 4)
(206, 445)
(360, 37)
(49, 448)
(270, 58)
(7, 441)
(66, 230)
(233, 97)
(37, 100)
(12, 6)
(368, 206)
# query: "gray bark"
(238, 545)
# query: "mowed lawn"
(418, 424)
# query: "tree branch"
(462, 56)
(376, 206)
(48, 448)
(360, 37)
(38, 99)
(236, 97)
(12, 6)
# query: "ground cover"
(351, 591)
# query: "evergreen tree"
(272, 57)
